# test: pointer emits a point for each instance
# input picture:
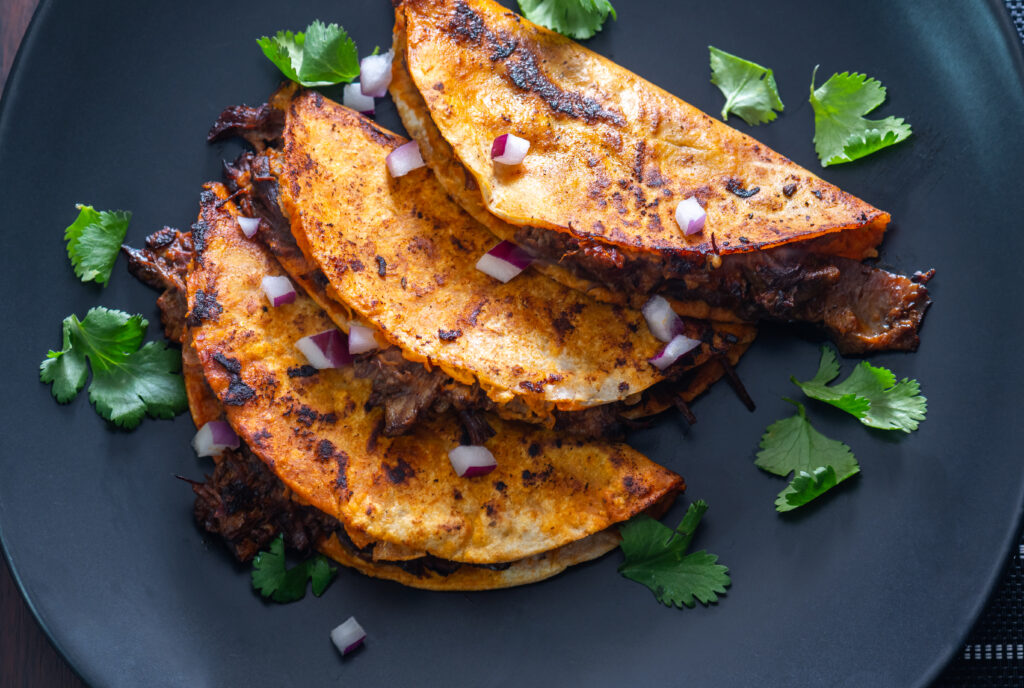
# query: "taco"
(611, 159)
(403, 512)
(397, 255)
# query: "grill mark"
(205, 308)
(527, 76)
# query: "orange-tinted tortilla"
(611, 155)
(318, 436)
(402, 256)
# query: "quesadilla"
(611, 159)
(400, 256)
(401, 507)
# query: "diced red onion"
(327, 349)
(348, 636)
(279, 290)
(509, 149)
(360, 339)
(249, 225)
(690, 216)
(213, 438)
(354, 98)
(404, 159)
(504, 261)
(662, 320)
(470, 461)
(680, 344)
(375, 74)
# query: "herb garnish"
(127, 382)
(749, 89)
(272, 577)
(94, 239)
(841, 133)
(870, 394)
(574, 18)
(792, 445)
(320, 56)
(656, 557)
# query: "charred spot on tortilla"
(238, 391)
(205, 308)
(449, 335)
(199, 238)
(400, 472)
(302, 371)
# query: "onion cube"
(327, 349)
(213, 438)
(348, 636)
(353, 98)
(375, 74)
(279, 290)
(469, 461)
(404, 159)
(504, 261)
(360, 339)
(690, 216)
(662, 320)
(674, 350)
(249, 225)
(509, 149)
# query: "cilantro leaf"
(792, 445)
(94, 239)
(841, 133)
(272, 577)
(749, 89)
(655, 556)
(807, 486)
(320, 56)
(574, 18)
(127, 382)
(870, 394)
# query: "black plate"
(109, 105)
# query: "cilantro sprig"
(321, 55)
(841, 132)
(870, 394)
(656, 556)
(94, 239)
(749, 89)
(128, 382)
(272, 577)
(577, 19)
(792, 445)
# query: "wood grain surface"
(27, 659)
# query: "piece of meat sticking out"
(163, 264)
(245, 504)
(863, 308)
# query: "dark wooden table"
(26, 656)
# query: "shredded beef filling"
(162, 265)
(863, 308)
(247, 506)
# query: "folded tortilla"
(399, 255)
(610, 153)
(316, 434)
(612, 156)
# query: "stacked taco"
(422, 419)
